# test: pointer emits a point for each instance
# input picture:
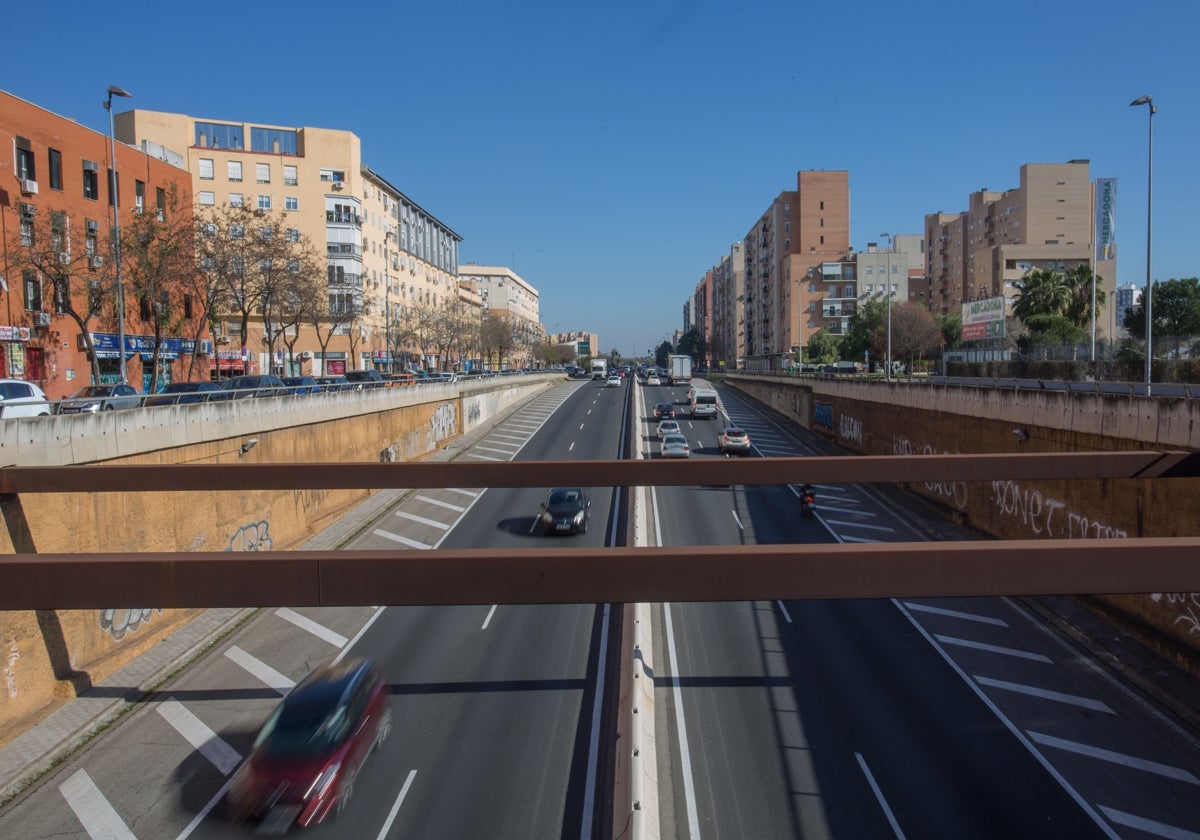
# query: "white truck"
(702, 403)
(679, 370)
(599, 369)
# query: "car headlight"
(321, 784)
(579, 518)
(547, 518)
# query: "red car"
(309, 752)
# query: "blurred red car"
(307, 755)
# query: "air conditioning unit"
(64, 258)
(28, 209)
(306, 354)
(337, 185)
(222, 339)
(41, 319)
(95, 261)
(28, 186)
(93, 225)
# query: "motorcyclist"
(808, 495)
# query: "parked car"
(566, 510)
(180, 393)
(92, 398)
(360, 379)
(666, 426)
(675, 446)
(333, 383)
(299, 385)
(252, 385)
(19, 398)
(733, 440)
(664, 409)
(305, 760)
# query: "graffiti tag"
(823, 415)
(851, 429)
(954, 491)
(1189, 614)
(117, 623)
(1046, 516)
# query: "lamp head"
(113, 90)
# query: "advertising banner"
(983, 319)
(1106, 218)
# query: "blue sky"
(611, 153)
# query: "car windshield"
(673, 440)
(311, 724)
(561, 498)
(94, 391)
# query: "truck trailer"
(679, 370)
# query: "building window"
(206, 169)
(264, 202)
(290, 178)
(208, 230)
(207, 198)
(822, 223)
(291, 203)
(293, 235)
(822, 239)
(33, 290)
(187, 307)
(262, 173)
(26, 166)
(822, 205)
(139, 196)
(160, 203)
(236, 200)
(91, 180)
(26, 232)
(55, 169)
(218, 136)
(237, 231)
(233, 169)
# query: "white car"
(19, 398)
(653, 380)
(613, 382)
(667, 426)
(675, 446)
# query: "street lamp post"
(113, 90)
(888, 289)
(1147, 100)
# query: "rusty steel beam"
(590, 575)
(98, 478)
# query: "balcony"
(332, 217)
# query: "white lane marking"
(858, 525)
(261, 670)
(1148, 826)
(387, 824)
(210, 745)
(488, 620)
(571, 447)
(589, 797)
(1009, 725)
(887, 810)
(581, 427)
(439, 503)
(1005, 651)
(412, 517)
(400, 539)
(361, 632)
(318, 630)
(737, 520)
(510, 452)
(1046, 694)
(787, 615)
(468, 454)
(463, 491)
(966, 616)
(685, 754)
(98, 818)
(521, 438)
(1177, 773)
(858, 539)
(212, 803)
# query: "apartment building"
(726, 339)
(379, 246)
(56, 201)
(801, 229)
(702, 317)
(506, 293)
(1046, 222)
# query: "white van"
(703, 403)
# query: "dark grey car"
(566, 511)
(253, 385)
(92, 398)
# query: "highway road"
(933, 718)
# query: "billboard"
(983, 319)
(1106, 218)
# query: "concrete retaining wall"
(878, 418)
(48, 656)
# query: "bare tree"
(499, 336)
(69, 254)
(915, 332)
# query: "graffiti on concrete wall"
(118, 623)
(1189, 608)
(474, 412)
(953, 492)
(10, 676)
(443, 424)
(823, 416)
(256, 536)
(851, 429)
(1045, 516)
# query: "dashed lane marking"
(95, 813)
(401, 539)
(208, 743)
(965, 616)
(318, 630)
(261, 670)
(1046, 694)
(1004, 651)
(1148, 826)
(412, 517)
(1177, 773)
(439, 503)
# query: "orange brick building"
(55, 186)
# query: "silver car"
(675, 446)
(92, 398)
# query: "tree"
(49, 247)
(1079, 288)
(1042, 292)
(661, 352)
(1175, 305)
(1049, 329)
(823, 347)
(915, 332)
(864, 327)
(951, 326)
(691, 344)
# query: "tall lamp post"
(1147, 100)
(113, 90)
(888, 288)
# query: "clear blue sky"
(611, 153)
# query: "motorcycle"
(808, 502)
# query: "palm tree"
(1042, 292)
(1079, 285)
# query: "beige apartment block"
(1046, 222)
(727, 339)
(800, 230)
(506, 293)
